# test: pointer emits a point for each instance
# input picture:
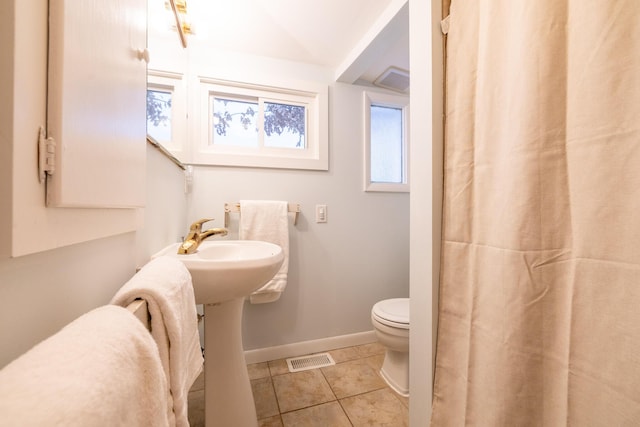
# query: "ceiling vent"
(395, 79)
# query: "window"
(159, 114)
(166, 110)
(262, 126)
(235, 123)
(386, 142)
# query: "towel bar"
(235, 208)
(139, 308)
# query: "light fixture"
(182, 22)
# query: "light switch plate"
(321, 213)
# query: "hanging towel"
(165, 283)
(267, 220)
(101, 369)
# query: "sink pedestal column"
(227, 390)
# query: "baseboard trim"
(306, 347)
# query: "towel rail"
(235, 208)
(139, 308)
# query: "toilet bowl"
(390, 319)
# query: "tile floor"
(351, 393)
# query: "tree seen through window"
(236, 123)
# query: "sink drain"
(313, 361)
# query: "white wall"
(6, 124)
(165, 214)
(337, 270)
(33, 227)
(42, 292)
(426, 49)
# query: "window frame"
(313, 96)
(174, 83)
(392, 101)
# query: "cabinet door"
(97, 102)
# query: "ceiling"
(357, 39)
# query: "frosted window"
(386, 144)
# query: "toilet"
(390, 319)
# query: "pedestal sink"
(224, 272)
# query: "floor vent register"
(313, 361)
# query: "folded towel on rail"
(267, 220)
(165, 283)
(101, 369)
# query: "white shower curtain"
(539, 321)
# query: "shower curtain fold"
(540, 287)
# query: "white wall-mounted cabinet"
(26, 224)
(96, 108)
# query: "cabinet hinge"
(46, 155)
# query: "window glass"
(284, 125)
(243, 124)
(159, 115)
(234, 122)
(386, 144)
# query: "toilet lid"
(394, 310)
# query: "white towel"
(101, 369)
(165, 283)
(267, 220)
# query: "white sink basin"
(227, 269)
(224, 272)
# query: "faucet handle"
(197, 226)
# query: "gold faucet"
(196, 236)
